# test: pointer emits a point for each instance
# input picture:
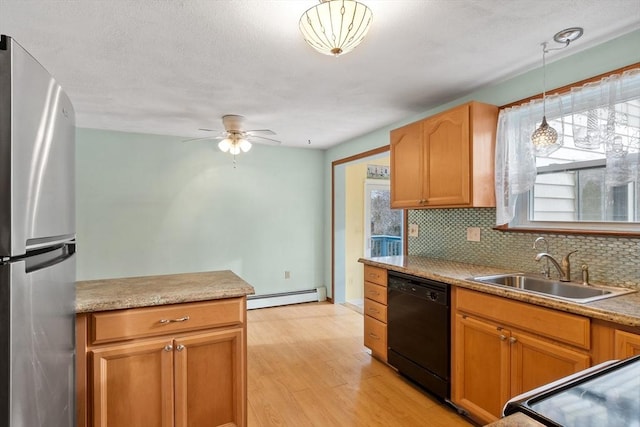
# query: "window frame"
(525, 225)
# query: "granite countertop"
(145, 291)
(515, 420)
(623, 309)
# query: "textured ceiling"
(170, 67)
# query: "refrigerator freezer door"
(37, 340)
(37, 155)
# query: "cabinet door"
(447, 145)
(210, 384)
(481, 367)
(407, 166)
(626, 344)
(133, 385)
(535, 362)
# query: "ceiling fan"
(236, 140)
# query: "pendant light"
(545, 138)
(335, 27)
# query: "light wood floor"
(307, 367)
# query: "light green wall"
(149, 204)
(608, 56)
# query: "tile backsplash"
(443, 234)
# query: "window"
(592, 182)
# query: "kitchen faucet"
(564, 271)
(546, 271)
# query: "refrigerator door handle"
(46, 259)
(40, 243)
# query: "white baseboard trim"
(286, 298)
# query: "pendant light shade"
(335, 27)
(545, 139)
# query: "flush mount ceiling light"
(335, 27)
(545, 138)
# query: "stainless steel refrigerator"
(37, 244)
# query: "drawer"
(375, 275)
(375, 310)
(375, 337)
(375, 292)
(133, 323)
(557, 325)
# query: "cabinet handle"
(374, 336)
(180, 347)
(503, 337)
(180, 319)
(513, 340)
(373, 310)
(374, 292)
(373, 275)
(168, 347)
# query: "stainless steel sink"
(561, 290)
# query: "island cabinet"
(502, 348)
(446, 160)
(375, 311)
(174, 365)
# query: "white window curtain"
(589, 119)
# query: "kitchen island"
(154, 349)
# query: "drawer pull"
(181, 319)
(374, 336)
(513, 340)
(373, 310)
(373, 292)
(168, 347)
(503, 337)
(180, 347)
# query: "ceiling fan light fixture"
(335, 27)
(225, 145)
(244, 145)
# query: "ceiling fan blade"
(198, 139)
(275, 141)
(264, 131)
(208, 130)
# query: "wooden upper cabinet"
(446, 160)
(407, 165)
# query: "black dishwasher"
(418, 331)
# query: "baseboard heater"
(286, 298)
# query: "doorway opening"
(351, 237)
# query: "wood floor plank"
(307, 366)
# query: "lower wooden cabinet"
(193, 378)
(481, 371)
(495, 359)
(627, 344)
(375, 311)
(132, 384)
